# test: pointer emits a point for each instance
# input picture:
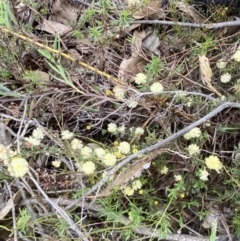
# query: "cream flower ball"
(193, 133)
(100, 152)
(225, 78)
(86, 152)
(193, 149)
(156, 87)
(213, 162)
(140, 79)
(109, 159)
(31, 141)
(67, 135)
(112, 128)
(204, 175)
(38, 134)
(88, 167)
(119, 92)
(124, 147)
(76, 144)
(18, 167)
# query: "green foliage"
(57, 67)
(62, 227)
(87, 16)
(105, 6)
(213, 235)
(236, 224)
(95, 33)
(124, 18)
(155, 68)
(6, 16)
(24, 221)
(4, 91)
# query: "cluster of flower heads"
(134, 186)
(221, 64)
(90, 155)
(17, 166)
(212, 162)
(114, 129)
(35, 138)
(141, 79)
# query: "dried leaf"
(53, 27)
(153, 10)
(7, 208)
(190, 11)
(130, 67)
(205, 69)
(132, 172)
(138, 38)
(206, 73)
(5, 136)
(152, 43)
(67, 12)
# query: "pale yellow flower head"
(56, 163)
(140, 79)
(112, 128)
(204, 175)
(178, 178)
(115, 143)
(236, 56)
(31, 141)
(18, 167)
(193, 149)
(128, 191)
(213, 162)
(8, 155)
(164, 170)
(134, 150)
(194, 133)
(67, 135)
(190, 102)
(136, 184)
(124, 147)
(225, 78)
(139, 131)
(109, 159)
(119, 92)
(221, 64)
(132, 103)
(133, 2)
(4, 154)
(76, 144)
(86, 152)
(122, 129)
(38, 134)
(88, 167)
(118, 154)
(141, 192)
(156, 87)
(100, 152)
